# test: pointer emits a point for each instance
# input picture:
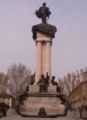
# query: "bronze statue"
(43, 84)
(43, 13)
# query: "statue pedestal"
(50, 101)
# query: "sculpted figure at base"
(56, 84)
(53, 81)
(42, 112)
(43, 83)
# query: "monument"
(43, 34)
(43, 99)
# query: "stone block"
(33, 88)
(52, 88)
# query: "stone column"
(43, 57)
(48, 58)
(38, 61)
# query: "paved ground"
(13, 116)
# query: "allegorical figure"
(43, 13)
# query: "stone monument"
(43, 99)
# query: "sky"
(69, 46)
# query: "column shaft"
(38, 62)
(43, 57)
(48, 58)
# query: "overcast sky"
(69, 48)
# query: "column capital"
(46, 29)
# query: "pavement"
(12, 115)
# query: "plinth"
(50, 101)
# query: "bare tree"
(2, 78)
(84, 74)
(71, 81)
(17, 76)
(61, 84)
(67, 83)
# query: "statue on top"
(43, 13)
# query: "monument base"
(52, 105)
(49, 102)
